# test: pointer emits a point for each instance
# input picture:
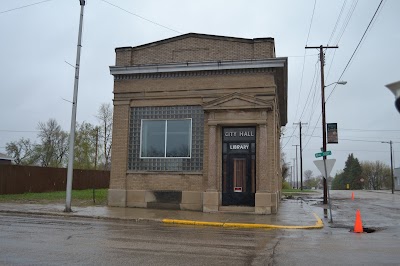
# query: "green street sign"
(320, 154)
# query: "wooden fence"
(17, 179)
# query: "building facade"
(197, 123)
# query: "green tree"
(352, 174)
(53, 148)
(338, 181)
(85, 146)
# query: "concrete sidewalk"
(292, 214)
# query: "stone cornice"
(191, 74)
(196, 68)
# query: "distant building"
(197, 122)
(396, 174)
(5, 159)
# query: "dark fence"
(16, 179)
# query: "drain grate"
(366, 230)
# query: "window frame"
(166, 138)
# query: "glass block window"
(166, 138)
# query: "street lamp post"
(324, 129)
(70, 168)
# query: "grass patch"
(79, 197)
(291, 190)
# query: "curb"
(318, 225)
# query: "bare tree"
(105, 116)
(20, 150)
(308, 174)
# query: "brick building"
(197, 123)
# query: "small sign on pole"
(320, 154)
(332, 133)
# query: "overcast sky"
(38, 39)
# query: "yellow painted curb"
(318, 225)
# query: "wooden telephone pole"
(322, 59)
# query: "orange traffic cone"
(358, 228)
(352, 195)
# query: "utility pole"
(322, 59)
(301, 155)
(294, 173)
(297, 169)
(391, 163)
(70, 169)
(291, 176)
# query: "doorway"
(239, 163)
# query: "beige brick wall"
(196, 49)
(119, 151)
(194, 90)
(165, 181)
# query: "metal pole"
(329, 202)
(391, 166)
(95, 163)
(73, 116)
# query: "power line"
(12, 131)
(337, 21)
(346, 21)
(359, 129)
(309, 93)
(301, 55)
(21, 7)
(362, 38)
(146, 19)
(302, 72)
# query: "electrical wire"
(358, 45)
(21, 7)
(337, 22)
(309, 93)
(13, 131)
(347, 20)
(143, 18)
(302, 72)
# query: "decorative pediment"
(237, 101)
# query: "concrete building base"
(210, 201)
(266, 203)
(117, 197)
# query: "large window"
(157, 130)
(166, 138)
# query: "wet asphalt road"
(335, 244)
(44, 240)
(30, 240)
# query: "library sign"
(239, 138)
